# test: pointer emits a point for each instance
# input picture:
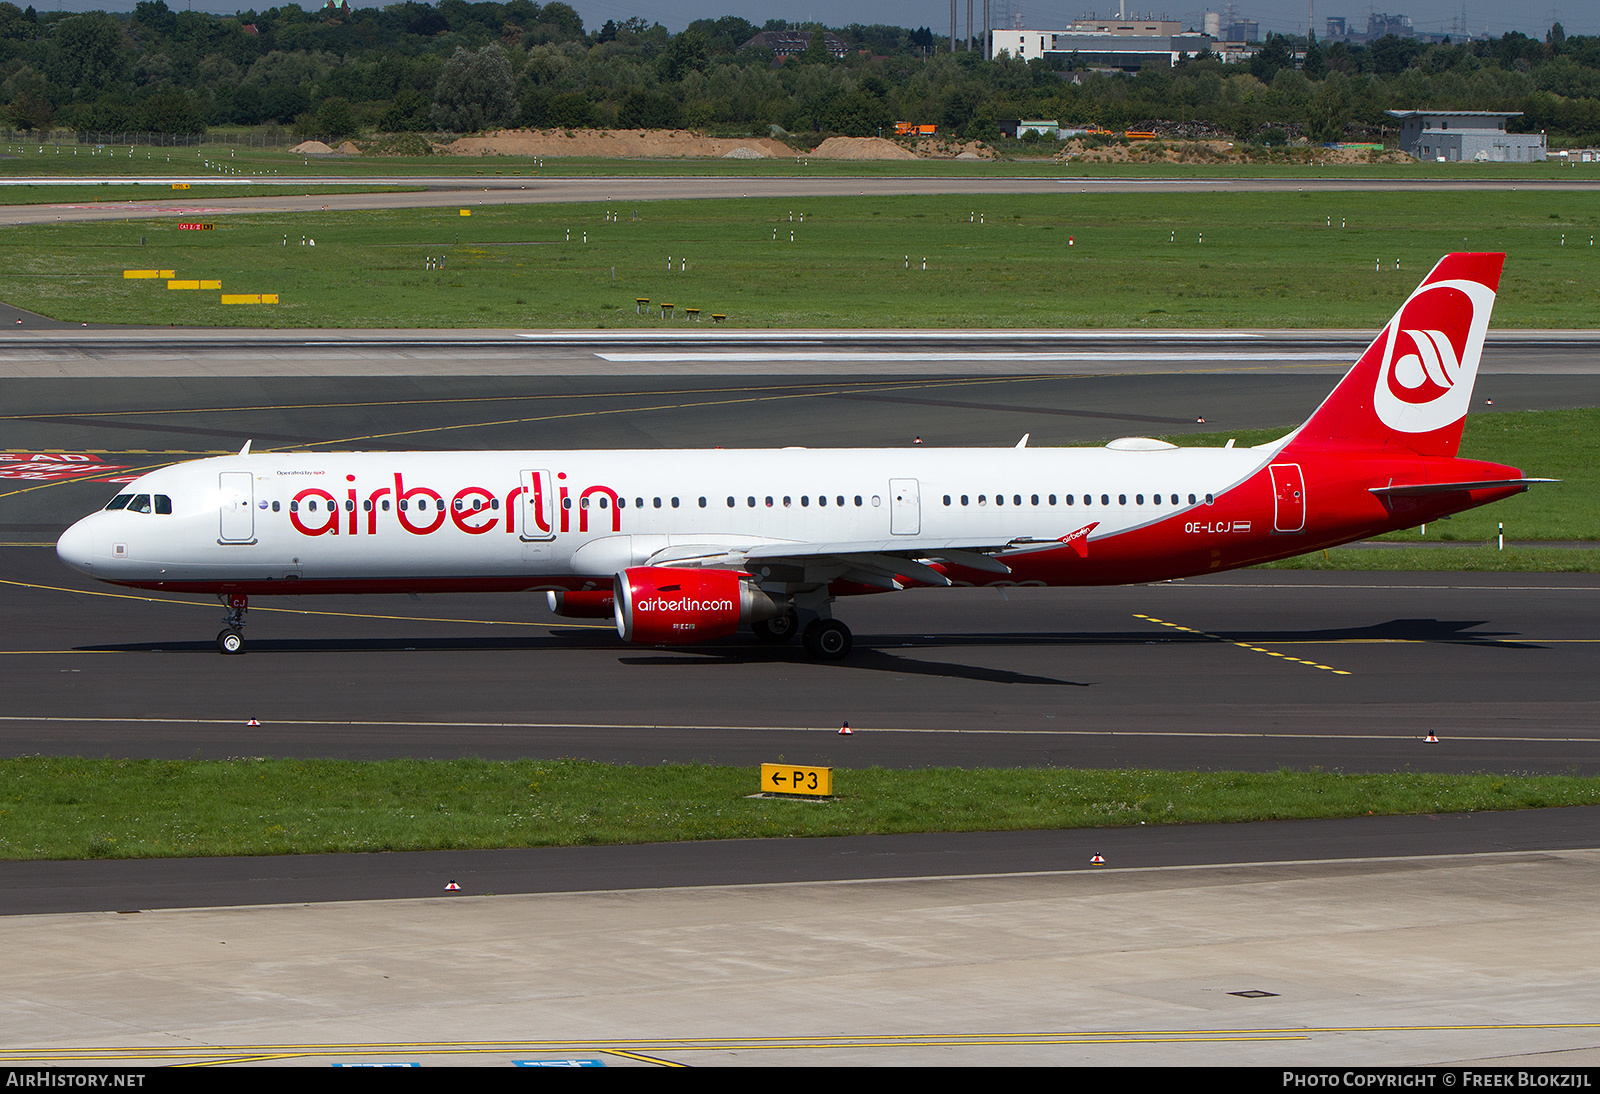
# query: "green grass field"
(71, 808)
(1073, 260)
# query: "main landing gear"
(827, 639)
(824, 639)
(231, 638)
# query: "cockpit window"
(139, 504)
(119, 502)
(163, 505)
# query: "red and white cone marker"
(253, 722)
(1432, 738)
(452, 888)
(1098, 860)
(845, 730)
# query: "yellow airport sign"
(813, 782)
(180, 186)
(466, 212)
(154, 275)
(250, 298)
(194, 284)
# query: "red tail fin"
(1413, 386)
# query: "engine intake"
(660, 606)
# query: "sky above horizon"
(1281, 16)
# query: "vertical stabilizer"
(1413, 385)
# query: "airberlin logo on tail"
(1430, 356)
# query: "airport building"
(1471, 135)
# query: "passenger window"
(1174, 499)
(787, 501)
(963, 499)
(805, 501)
(275, 506)
(1105, 499)
(1016, 499)
(583, 503)
(702, 503)
(385, 505)
(822, 500)
(1052, 499)
(405, 504)
(983, 499)
(674, 503)
(1156, 498)
(119, 502)
(1069, 498)
(1209, 499)
(1138, 499)
(730, 503)
(947, 500)
(999, 499)
(294, 507)
(769, 501)
(840, 500)
(750, 502)
(163, 505)
(1036, 499)
(566, 503)
(658, 503)
(1122, 499)
(366, 505)
(858, 501)
(349, 506)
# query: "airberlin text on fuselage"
(422, 510)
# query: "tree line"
(459, 67)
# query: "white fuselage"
(345, 517)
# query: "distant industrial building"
(1471, 135)
(1128, 46)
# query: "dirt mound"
(311, 148)
(348, 148)
(743, 153)
(942, 148)
(861, 148)
(612, 143)
(1220, 151)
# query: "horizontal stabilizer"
(1422, 489)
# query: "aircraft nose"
(76, 546)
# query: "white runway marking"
(860, 358)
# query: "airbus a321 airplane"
(687, 546)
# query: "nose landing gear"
(231, 639)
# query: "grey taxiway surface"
(1416, 940)
(460, 190)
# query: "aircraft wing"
(874, 562)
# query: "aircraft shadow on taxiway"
(870, 651)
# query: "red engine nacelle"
(659, 606)
(583, 603)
